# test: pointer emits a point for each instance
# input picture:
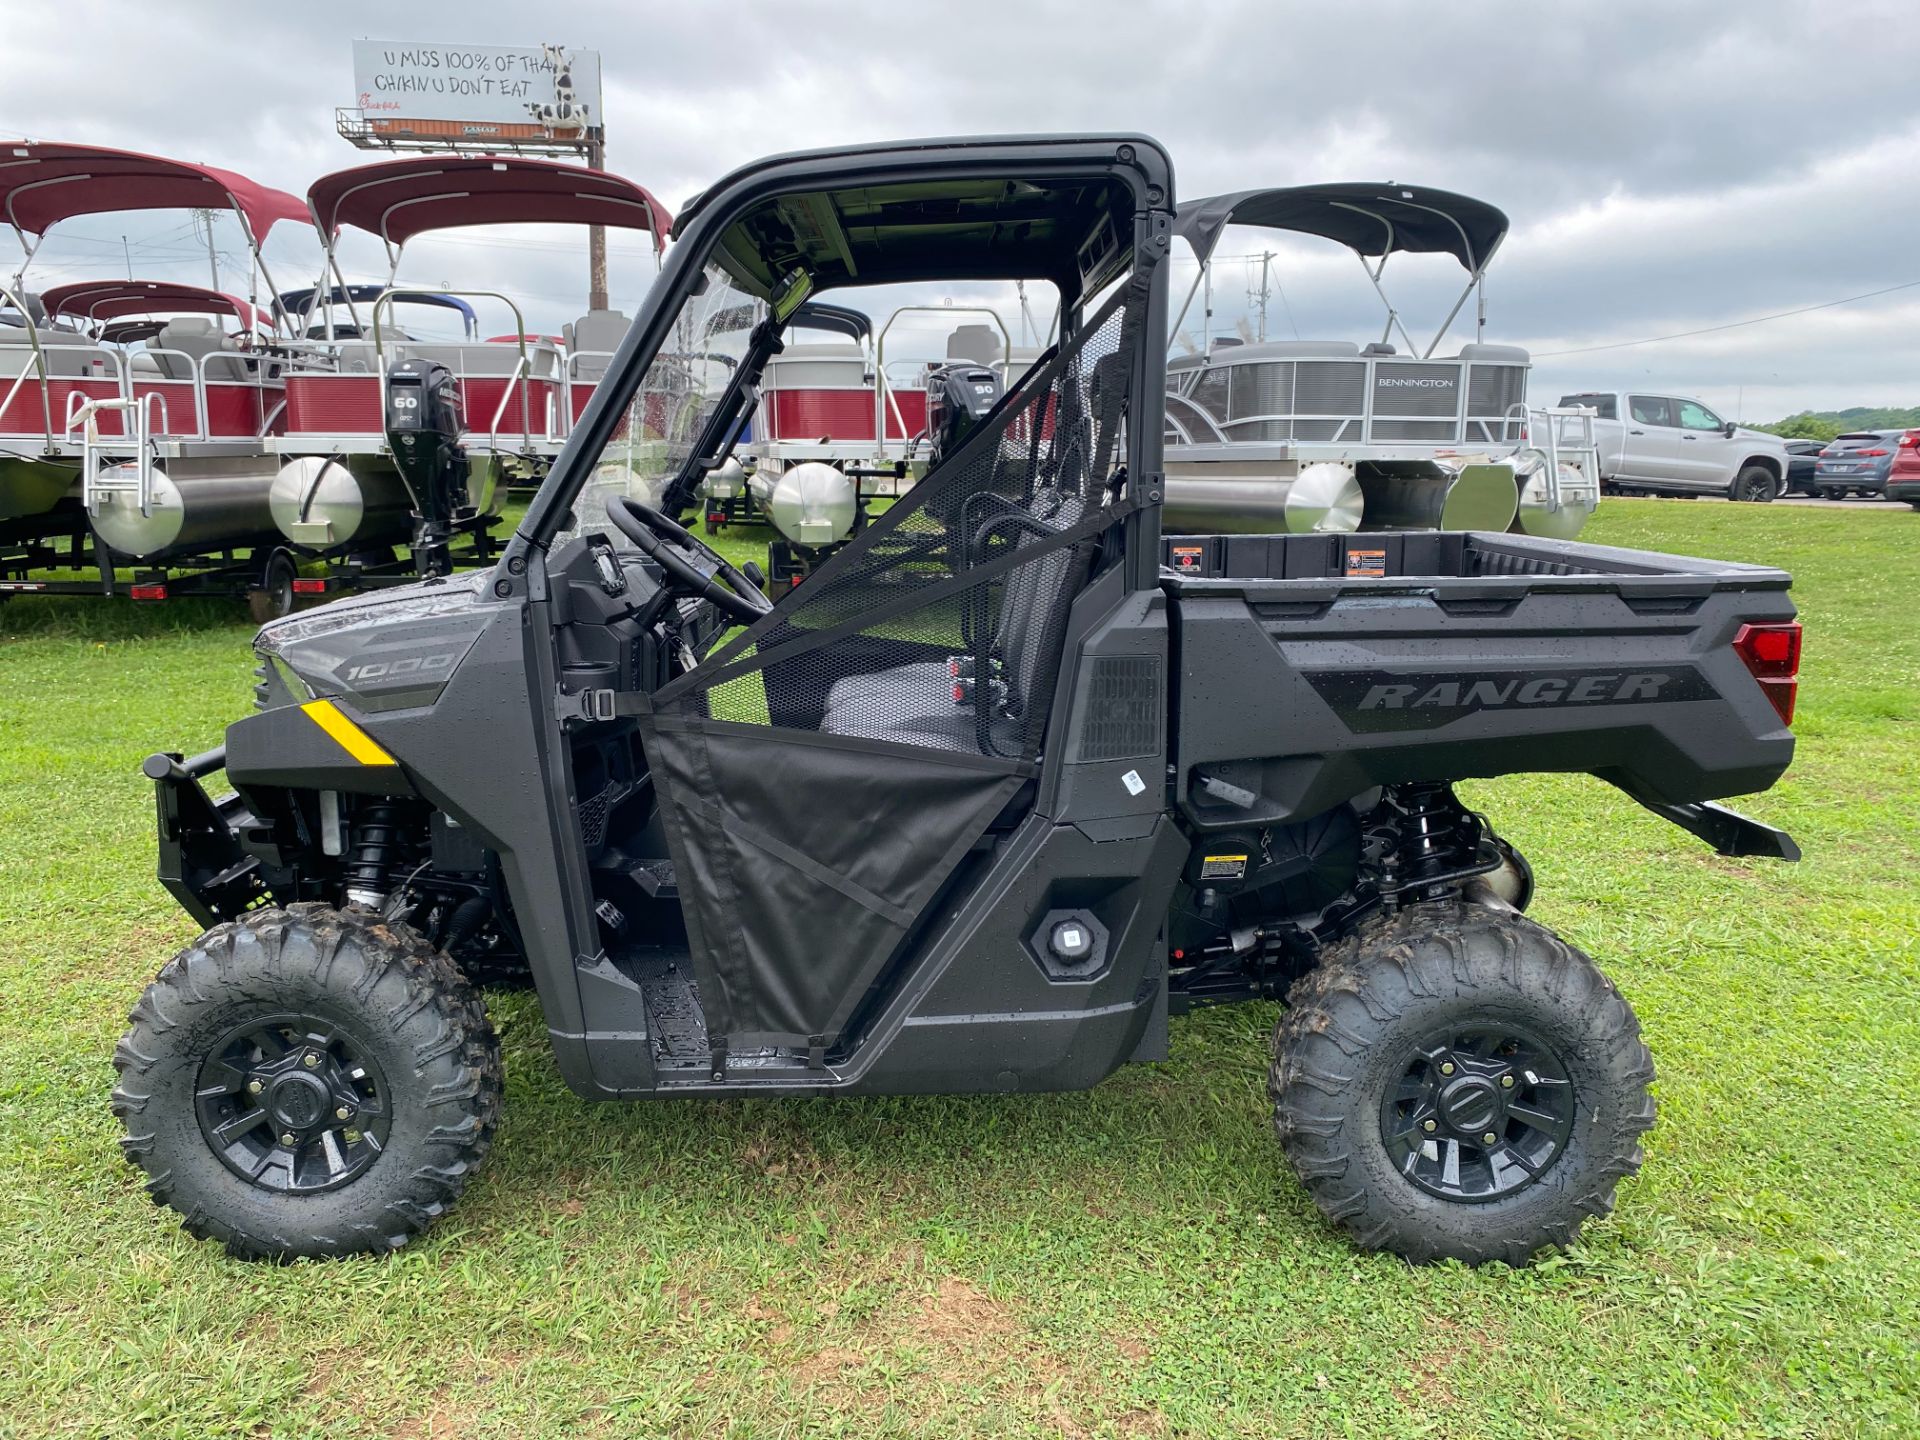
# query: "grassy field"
(1133, 1261)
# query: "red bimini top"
(398, 199)
(43, 183)
(111, 299)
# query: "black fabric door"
(823, 772)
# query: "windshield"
(655, 436)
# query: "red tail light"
(310, 587)
(1908, 440)
(148, 592)
(1872, 454)
(1771, 654)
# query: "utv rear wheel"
(308, 1082)
(1755, 484)
(1456, 1082)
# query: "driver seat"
(915, 704)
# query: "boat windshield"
(660, 424)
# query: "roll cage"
(1073, 211)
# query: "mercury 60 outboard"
(423, 425)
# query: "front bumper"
(203, 862)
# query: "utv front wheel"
(308, 1082)
(1456, 1082)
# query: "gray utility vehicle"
(1000, 786)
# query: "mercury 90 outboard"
(423, 427)
(958, 398)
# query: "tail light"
(1872, 454)
(312, 586)
(1771, 654)
(1906, 441)
(147, 592)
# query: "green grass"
(1133, 1261)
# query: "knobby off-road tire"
(362, 1032)
(1756, 485)
(1364, 1038)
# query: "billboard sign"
(477, 90)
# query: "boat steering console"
(692, 566)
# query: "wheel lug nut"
(254, 1087)
(1446, 1067)
(311, 1059)
(343, 1113)
(287, 1139)
(1489, 1137)
(1506, 1082)
(1431, 1126)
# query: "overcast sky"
(1667, 166)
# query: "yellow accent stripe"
(352, 739)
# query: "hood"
(386, 650)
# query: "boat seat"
(196, 340)
(914, 703)
(484, 360)
(67, 354)
(979, 343)
(1269, 350)
(598, 334)
(1484, 354)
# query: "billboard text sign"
(549, 86)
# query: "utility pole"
(125, 250)
(597, 234)
(1266, 261)
(205, 217)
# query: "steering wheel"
(675, 549)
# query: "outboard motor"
(958, 398)
(423, 425)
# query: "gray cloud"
(1668, 166)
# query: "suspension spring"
(1434, 842)
(380, 847)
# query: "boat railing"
(1395, 403)
(69, 372)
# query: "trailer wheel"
(307, 1082)
(1457, 1082)
(274, 596)
(1755, 484)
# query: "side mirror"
(1728, 429)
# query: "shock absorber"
(1434, 841)
(380, 847)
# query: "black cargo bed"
(1396, 561)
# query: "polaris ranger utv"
(1003, 784)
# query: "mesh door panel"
(940, 626)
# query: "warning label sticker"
(1188, 557)
(1362, 564)
(1223, 867)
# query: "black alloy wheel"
(292, 1104)
(1479, 1112)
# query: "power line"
(1730, 325)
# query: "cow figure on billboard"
(565, 111)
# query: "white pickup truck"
(1672, 445)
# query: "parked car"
(1800, 457)
(1858, 462)
(1674, 445)
(1903, 474)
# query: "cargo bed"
(1362, 660)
